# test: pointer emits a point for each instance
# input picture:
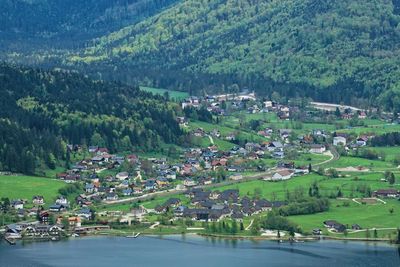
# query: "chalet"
(38, 200)
(282, 175)
(132, 159)
(318, 149)
(356, 227)
(334, 225)
(44, 217)
(237, 216)
(44, 229)
(72, 178)
(386, 193)
(362, 115)
(236, 177)
(230, 137)
(123, 184)
(98, 159)
(93, 149)
(160, 209)
(268, 104)
(278, 154)
(127, 192)
(215, 133)
(275, 146)
(85, 213)
(122, 175)
(285, 133)
(199, 132)
(229, 195)
(251, 146)
(102, 151)
(170, 175)
(339, 140)
(89, 188)
(112, 197)
(57, 208)
(172, 202)
(286, 165)
(17, 204)
(204, 180)
(317, 231)
(162, 182)
(362, 141)
(319, 133)
(150, 184)
(189, 182)
(263, 205)
(61, 200)
(74, 221)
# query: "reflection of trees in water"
(398, 250)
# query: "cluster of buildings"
(216, 205)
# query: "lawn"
(390, 152)
(178, 95)
(25, 187)
(348, 185)
(367, 216)
(270, 189)
(355, 162)
(378, 129)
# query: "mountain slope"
(43, 110)
(333, 50)
(65, 22)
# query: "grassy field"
(367, 216)
(355, 162)
(25, 187)
(172, 94)
(375, 129)
(390, 152)
(348, 185)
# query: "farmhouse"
(318, 149)
(387, 193)
(334, 225)
(282, 175)
(38, 200)
(339, 140)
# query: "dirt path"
(154, 225)
(211, 139)
(249, 226)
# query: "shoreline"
(258, 238)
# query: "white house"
(339, 140)
(282, 175)
(189, 182)
(236, 177)
(318, 149)
(122, 175)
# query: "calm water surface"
(196, 251)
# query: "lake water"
(196, 251)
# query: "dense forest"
(68, 23)
(339, 51)
(42, 111)
(329, 50)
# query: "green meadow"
(367, 216)
(24, 187)
(159, 91)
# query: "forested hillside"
(68, 23)
(331, 50)
(42, 111)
